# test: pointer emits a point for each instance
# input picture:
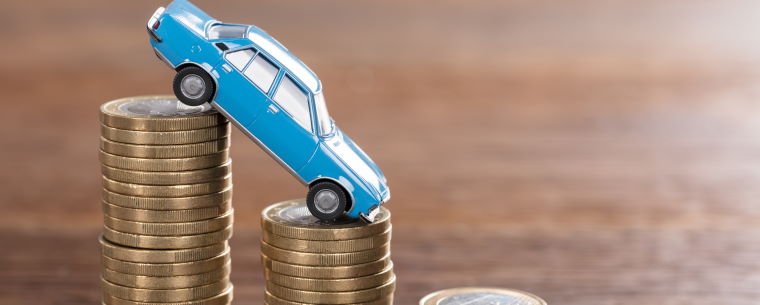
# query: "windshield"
(326, 126)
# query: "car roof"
(261, 39)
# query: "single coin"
(273, 300)
(166, 282)
(188, 268)
(161, 256)
(481, 296)
(166, 242)
(315, 297)
(165, 165)
(335, 272)
(292, 219)
(166, 216)
(165, 137)
(164, 151)
(166, 203)
(220, 299)
(324, 259)
(183, 190)
(158, 113)
(164, 295)
(170, 229)
(331, 285)
(327, 246)
(167, 178)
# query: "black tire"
(326, 189)
(197, 74)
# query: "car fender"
(341, 181)
(206, 67)
(324, 165)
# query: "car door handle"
(273, 109)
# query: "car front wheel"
(326, 201)
(193, 86)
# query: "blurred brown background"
(589, 151)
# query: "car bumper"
(153, 34)
(163, 58)
(386, 196)
(371, 215)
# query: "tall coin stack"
(167, 193)
(309, 262)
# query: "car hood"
(361, 164)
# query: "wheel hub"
(193, 86)
(326, 201)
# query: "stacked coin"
(167, 191)
(310, 262)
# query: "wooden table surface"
(590, 151)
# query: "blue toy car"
(274, 99)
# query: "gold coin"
(164, 295)
(331, 285)
(324, 259)
(158, 113)
(188, 268)
(166, 216)
(167, 178)
(273, 300)
(327, 246)
(161, 256)
(216, 199)
(220, 299)
(292, 219)
(165, 137)
(183, 190)
(164, 151)
(166, 242)
(336, 272)
(480, 295)
(166, 282)
(170, 229)
(315, 297)
(165, 165)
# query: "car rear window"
(226, 31)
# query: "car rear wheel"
(193, 86)
(326, 201)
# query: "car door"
(236, 94)
(286, 127)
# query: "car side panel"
(181, 45)
(325, 165)
(284, 136)
(175, 38)
(238, 96)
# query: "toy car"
(274, 99)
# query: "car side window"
(262, 72)
(295, 101)
(240, 58)
(226, 31)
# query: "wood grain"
(591, 152)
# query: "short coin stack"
(309, 262)
(167, 191)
